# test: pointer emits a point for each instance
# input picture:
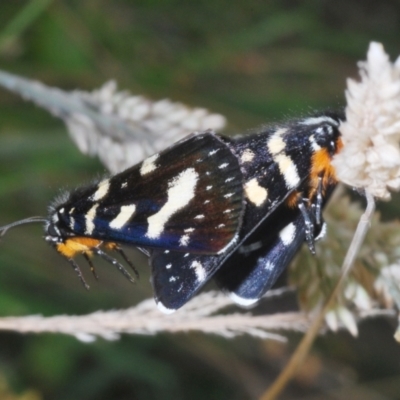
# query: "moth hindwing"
(257, 264)
(285, 167)
(188, 198)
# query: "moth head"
(327, 134)
(53, 231)
(69, 245)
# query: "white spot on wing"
(212, 152)
(287, 234)
(89, 218)
(149, 165)
(276, 143)
(269, 266)
(200, 216)
(123, 217)
(255, 193)
(180, 192)
(199, 271)
(168, 266)
(319, 120)
(102, 190)
(164, 309)
(188, 230)
(184, 240)
(222, 166)
(247, 156)
(72, 223)
(289, 170)
(124, 185)
(241, 301)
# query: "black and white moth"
(188, 198)
(287, 177)
(209, 205)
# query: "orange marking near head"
(293, 199)
(111, 245)
(321, 167)
(77, 245)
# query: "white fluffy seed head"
(370, 158)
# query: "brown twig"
(304, 346)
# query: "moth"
(188, 198)
(287, 178)
(237, 209)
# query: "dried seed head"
(370, 158)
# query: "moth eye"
(52, 230)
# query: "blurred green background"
(254, 62)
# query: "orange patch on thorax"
(321, 166)
(77, 245)
(292, 200)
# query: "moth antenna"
(5, 228)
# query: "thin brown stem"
(304, 346)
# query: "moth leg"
(318, 204)
(309, 227)
(87, 258)
(127, 260)
(144, 251)
(114, 262)
(78, 272)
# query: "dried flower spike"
(370, 159)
